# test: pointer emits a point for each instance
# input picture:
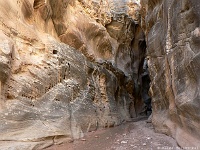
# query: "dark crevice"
(142, 102)
(145, 85)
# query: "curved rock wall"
(172, 34)
(51, 92)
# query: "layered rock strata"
(172, 34)
(66, 67)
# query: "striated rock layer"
(67, 67)
(173, 40)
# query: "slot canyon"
(69, 68)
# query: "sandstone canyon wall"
(72, 66)
(172, 32)
(67, 67)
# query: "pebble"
(83, 139)
(96, 136)
(148, 138)
(124, 142)
(144, 144)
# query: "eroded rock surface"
(66, 67)
(172, 33)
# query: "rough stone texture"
(173, 33)
(51, 92)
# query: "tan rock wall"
(172, 33)
(51, 92)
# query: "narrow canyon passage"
(89, 69)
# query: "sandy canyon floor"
(129, 136)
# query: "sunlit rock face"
(172, 33)
(66, 67)
(102, 30)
